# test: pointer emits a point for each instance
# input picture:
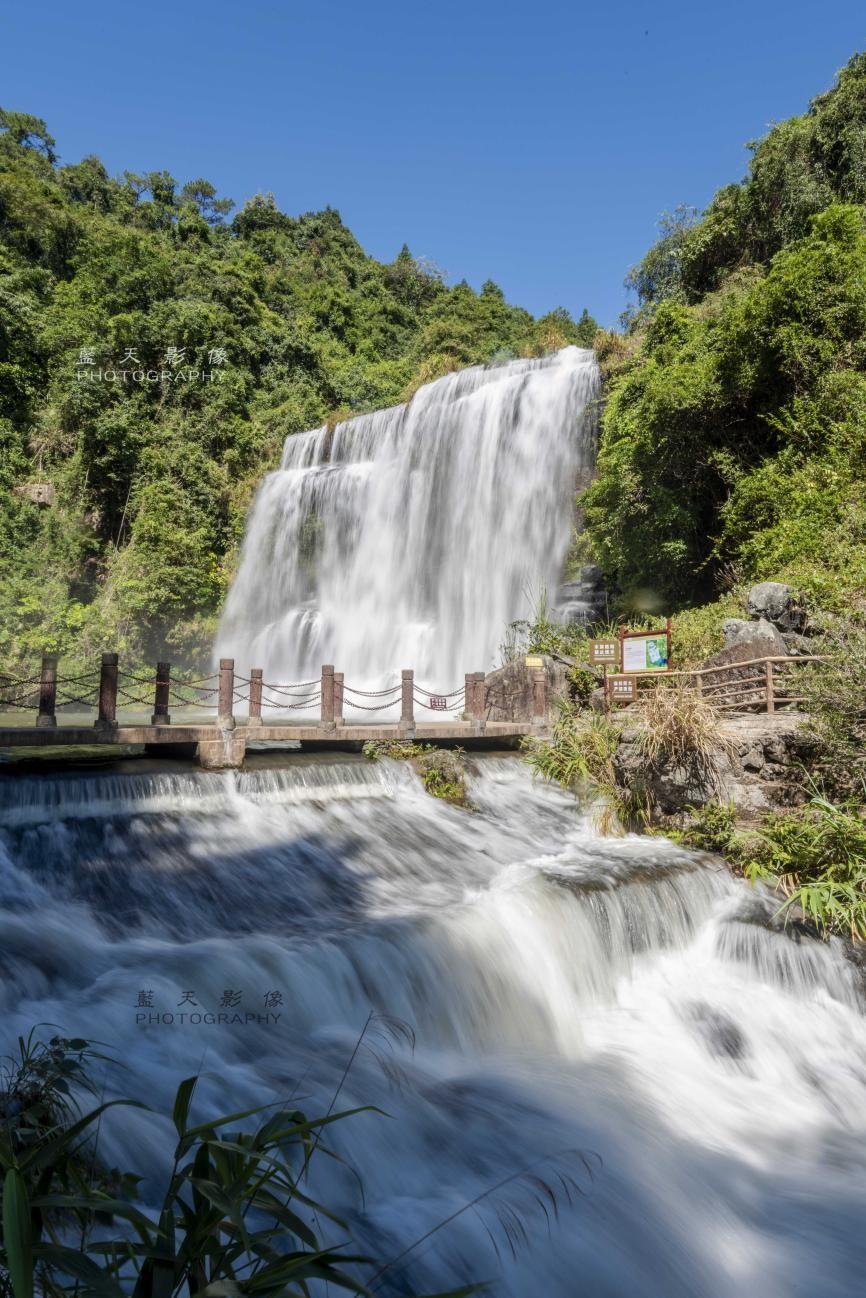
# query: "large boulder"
(510, 689)
(768, 641)
(756, 764)
(776, 603)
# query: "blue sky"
(533, 144)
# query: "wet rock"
(583, 600)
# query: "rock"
(776, 603)
(767, 640)
(510, 690)
(583, 600)
(757, 767)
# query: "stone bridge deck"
(217, 749)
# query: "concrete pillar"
(226, 695)
(480, 696)
(338, 698)
(48, 691)
(255, 716)
(160, 699)
(539, 697)
(407, 705)
(327, 714)
(107, 719)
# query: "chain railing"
(110, 688)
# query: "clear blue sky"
(535, 144)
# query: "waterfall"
(620, 998)
(412, 536)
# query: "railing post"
(226, 695)
(48, 691)
(327, 715)
(407, 704)
(480, 692)
(338, 698)
(255, 714)
(469, 695)
(539, 697)
(107, 719)
(771, 698)
(160, 699)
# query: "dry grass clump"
(682, 731)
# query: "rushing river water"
(567, 993)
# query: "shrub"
(443, 775)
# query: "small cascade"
(621, 997)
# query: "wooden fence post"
(107, 719)
(327, 709)
(407, 704)
(771, 698)
(539, 697)
(48, 691)
(160, 699)
(226, 695)
(255, 713)
(338, 697)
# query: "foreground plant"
(236, 1218)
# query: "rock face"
(758, 767)
(582, 601)
(509, 690)
(775, 602)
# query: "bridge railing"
(111, 688)
(756, 684)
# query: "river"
(610, 1011)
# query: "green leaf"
(182, 1102)
(17, 1234)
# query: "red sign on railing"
(439, 702)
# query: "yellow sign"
(533, 660)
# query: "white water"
(411, 537)
(568, 993)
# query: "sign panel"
(645, 653)
(603, 651)
(622, 689)
(534, 660)
(439, 702)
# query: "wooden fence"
(757, 684)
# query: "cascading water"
(411, 537)
(618, 997)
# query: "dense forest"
(154, 355)
(734, 434)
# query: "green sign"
(645, 653)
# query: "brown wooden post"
(338, 697)
(407, 704)
(226, 695)
(48, 691)
(160, 699)
(255, 714)
(539, 697)
(327, 715)
(771, 698)
(107, 719)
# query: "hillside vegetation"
(153, 356)
(734, 436)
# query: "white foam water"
(412, 536)
(610, 1009)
